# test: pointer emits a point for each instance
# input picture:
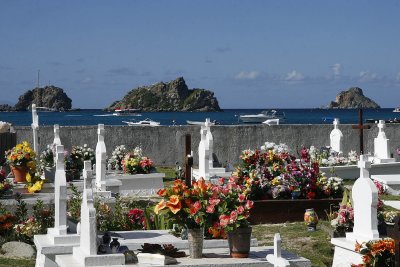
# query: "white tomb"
(336, 137)
(86, 253)
(365, 200)
(276, 258)
(101, 156)
(206, 162)
(381, 146)
(56, 241)
(56, 140)
(35, 127)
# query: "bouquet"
(22, 155)
(376, 253)
(47, 157)
(134, 162)
(117, 156)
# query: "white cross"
(364, 166)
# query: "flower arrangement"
(137, 219)
(134, 162)
(376, 253)
(272, 173)
(326, 157)
(117, 156)
(5, 188)
(46, 159)
(78, 154)
(344, 221)
(22, 155)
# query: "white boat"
(271, 122)
(126, 112)
(199, 122)
(263, 116)
(396, 109)
(146, 122)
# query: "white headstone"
(35, 126)
(276, 258)
(57, 140)
(60, 196)
(365, 201)
(381, 145)
(88, 228)
(101, 155)
(210, 141)
(336, 137)
(204, 155)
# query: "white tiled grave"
(390, 181)
(352, 171)
(219, 257)
(138, 184)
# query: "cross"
(336, 123)
(188, 160)
(361, 128)
(394, 233)
(364, 166)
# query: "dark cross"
(188, 160)
(394, 233)
(361, 128)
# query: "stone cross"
(361, 128)
(88, 242)
(60, 196)
(204, 155)
(276, 258)
(101, 155)
(336, 137)
(381, 143)
(35, 127)
(365, 201)
(57, 140)
(210, 141)
(394, 233)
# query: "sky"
(251, 54)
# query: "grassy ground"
(4, 262)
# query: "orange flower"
(159, 206)
(162, 192)
(174, 199)
(174, 208)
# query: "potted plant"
(21, 159)
(117, 156)
(47, 164)
(189, 207)
(74, 161)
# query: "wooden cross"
(188, 160)
(394, 233)
(361, 128)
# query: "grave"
(206, 161)
(276, 259)
(56, 140)
(35, 129)
(336, 137)
(56, 241)
(381, 146)
(365, 200)
(86, 253)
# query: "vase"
(239, 242)
(296, 194)
(73, 174)
(311, 219)
(19, 173)
(114, 245)
(50, 173)
(195, 240)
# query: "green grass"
(6, 262)
(169, 174)
(389, 197)
(314, 246)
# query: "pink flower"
(240, 209)
(242, 198)
(249, 204)
(233, 217)
(224, 220)
(214, 201)
(197, 205)
(210, 209)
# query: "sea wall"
(165, 144)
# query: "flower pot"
(239, 242)
(195, 239)
(19, 173)
(50, 173)
(73, 174)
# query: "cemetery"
(109, 206)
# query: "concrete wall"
(165, 144)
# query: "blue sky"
(252, 54)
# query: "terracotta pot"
(19, 173)
(239, 242)
(195, 240)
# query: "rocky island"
(51, 97)
(171, 96)
(353, 98)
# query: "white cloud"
(294, 76)
(337, 69)
(366, 76)
(247, 75)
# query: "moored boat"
(127, 112)
(261, 117)
(199, 122)
(396, 109)
(146, 122)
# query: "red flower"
(224, 220)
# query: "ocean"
(227, 117)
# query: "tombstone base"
(79, 258)
(345, 253)
(219, 172)
(378, 161)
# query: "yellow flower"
(28, 177)
(35, 187)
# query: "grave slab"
(345, 254)
(352, 171)
(138, 184)
(390, 181)
(392, 203)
